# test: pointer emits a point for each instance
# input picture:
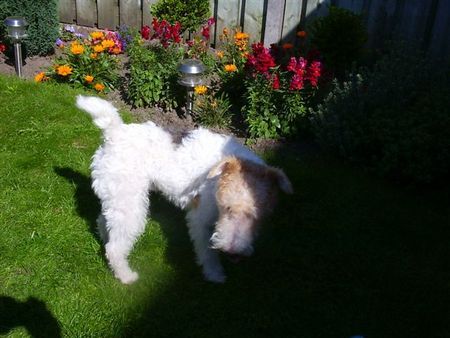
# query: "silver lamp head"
(191, 71)
(16, 27)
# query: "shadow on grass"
(31, 314)
(345, 255)
(87, 203)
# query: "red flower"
(260, 61)
(205, 32)
(297, 82)
(145, 32)
(313, 73)
(275, 82)
(2, 47)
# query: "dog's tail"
(104, 114)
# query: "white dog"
(225, 187)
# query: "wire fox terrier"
(224, 186)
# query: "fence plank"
(292, 17)
(86, 12)
(146, 16)
(228, 15)
(67, 11)
(130, 13)
(315, 8)
(108, 13)
(273, 22)
(440, 37)
(253, 19)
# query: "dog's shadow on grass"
(86, 202)
(32, 314)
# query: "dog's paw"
(214, 275)
(128, 278)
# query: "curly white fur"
(137, 158)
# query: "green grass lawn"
(346, 255)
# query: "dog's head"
(246, 192)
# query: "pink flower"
(297, 82)
(211, 21)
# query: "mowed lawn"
(348, 254)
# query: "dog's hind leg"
(124, 222)
(200, 219)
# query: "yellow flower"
(88, 78)
(97, 35)
(64, 70)
(77, 49)
(219, 54)
(200, 90)
(98, 48)
(107, 43)
(39, 77)
(93, 55)
(99, 87)
(225, 32)
(230, 68)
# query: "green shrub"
(212, 109)
(153, 74)
(189, 13)
(43, 20)
(394, 118)
(340, 37)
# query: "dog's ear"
(227, 165)
(280, 179)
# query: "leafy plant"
(189, 13)
(340, 36)
(212, 109)
(153, 73)
(43, 20)
(394, 118)
(89, 62)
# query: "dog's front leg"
(199, 220)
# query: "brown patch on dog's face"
(246, 192)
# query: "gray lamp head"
(16, 27)
(191, 71)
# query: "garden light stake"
(16, 27)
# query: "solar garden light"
(191, 71)
(16, 28)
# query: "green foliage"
(92, 63)
(340, 37)
(153, 74)
(213, 110)
(189, 13)
(42, 17)
(394, 118)
(272, 113)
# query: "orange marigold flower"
(99, 48)
(301, 34)
(288, 45)
(39, 77)
(93, 55)
(241, 36)
(99, 87)
(97, 35)
(107, 43)
(88, 78)
(77, 49)
(230, 68)
(200, 90)
(219, 54)
(116, 50)
(64, 70)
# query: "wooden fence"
(424, 21)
